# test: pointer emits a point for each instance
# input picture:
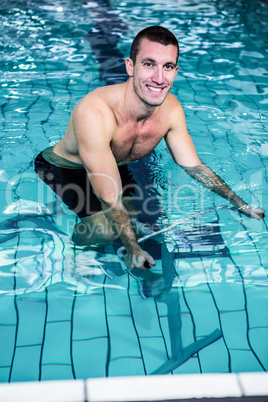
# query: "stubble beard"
(139, 93)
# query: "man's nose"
(158, 76)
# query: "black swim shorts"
(70, 182)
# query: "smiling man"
(114, 126)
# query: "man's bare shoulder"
(101, 100)
(173, 104)
(95, 114)
(174, 109)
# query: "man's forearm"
(121, 224)
(213, 182)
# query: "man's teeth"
(155, 89)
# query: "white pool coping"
(152, 388)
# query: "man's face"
(154, 71)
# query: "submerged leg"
(93, 230)
(96, 230)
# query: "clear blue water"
(67, 313)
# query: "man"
(115, 125)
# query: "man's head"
(154, 34)
(152, 65)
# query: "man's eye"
(147, 64)
(169, 67)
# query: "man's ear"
(129, 66)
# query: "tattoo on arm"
(213, 182)
(120, 221)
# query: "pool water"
(66, 313)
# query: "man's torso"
(131, 140)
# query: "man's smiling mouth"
(154, 89)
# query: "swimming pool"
(67, 313)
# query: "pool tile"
(117, 299)
(257, 306)
(166, 333)
(90, 357)
(134, 364)
(203, 310)
(89, 319)
(154, 352)
(57, 343)
(4, 374)
(234, 327)
(61, 296)
(7, 309)
(187, 329)
(243, 360)
(26, 363)
(7, 339)
(191, 366)
(145, 317)
(228, 296)
(31, 322)
(256, 337)
(126, 354)
(214, 358)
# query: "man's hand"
(252, 212)
(139, 259)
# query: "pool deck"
(185, 387)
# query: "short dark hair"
(154, 34)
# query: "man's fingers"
(253, 212)
(258, 215)
(142, 260)
(150, 261)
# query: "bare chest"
(133, 143)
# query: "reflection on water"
(46, 254)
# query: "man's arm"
(184, 154)
(121, 223)
(213, 182)
(94, 128)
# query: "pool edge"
(248, 386)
